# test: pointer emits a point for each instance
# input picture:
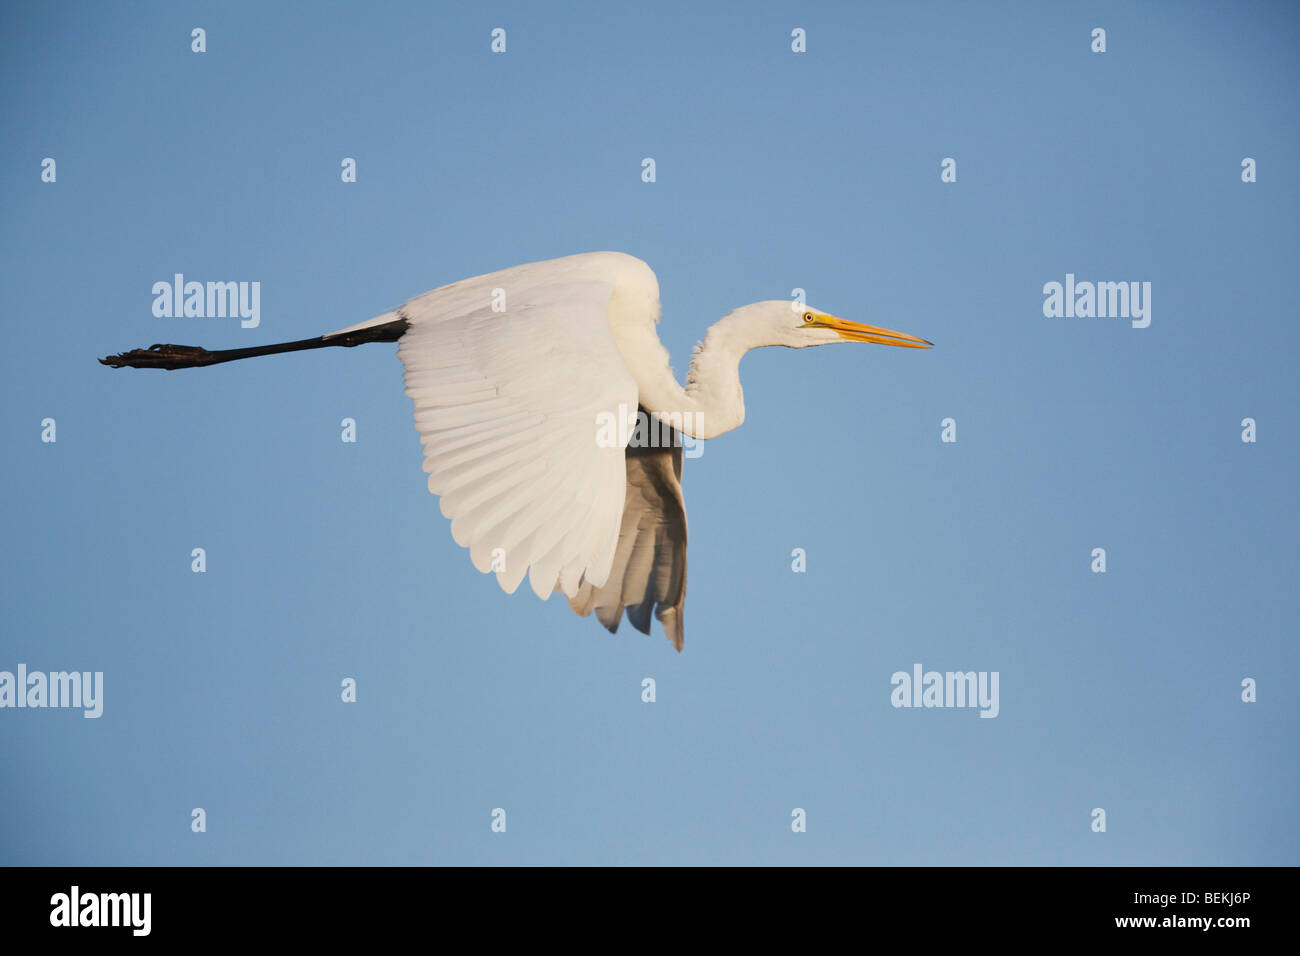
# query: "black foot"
(159, 356)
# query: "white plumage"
(507, 405)
(516, 377)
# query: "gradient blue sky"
(328, 560)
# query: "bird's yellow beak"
(858, 332)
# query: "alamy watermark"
(923, 688)
(208, 300)
(1102, 300)
(660, 430)
(76, 908)
(84, 689)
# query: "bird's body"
(527, 383)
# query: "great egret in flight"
(517, 376)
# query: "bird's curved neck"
(712, 401)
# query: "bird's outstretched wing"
(649, 570)
(512, 374)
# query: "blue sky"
(775, 170)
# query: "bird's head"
(797, 326)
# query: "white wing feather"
(508, 405)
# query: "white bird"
(527, 383)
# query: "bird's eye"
(807, 316)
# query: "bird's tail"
(384, 319)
